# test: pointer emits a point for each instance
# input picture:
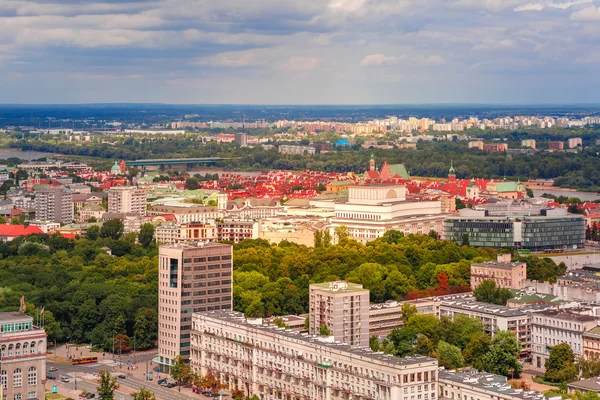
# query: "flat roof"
(193, 245)
(352, 287)
(560, 314)
(239, 319)
(14, 317)
(500, 265)
(487, 308)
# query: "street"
(133, 383)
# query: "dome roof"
(115, 168)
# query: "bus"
(524, 251)
(84, 360)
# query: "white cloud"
(587, 14)
(378, 60)
(349, 6)
(297, 64)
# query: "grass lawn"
(57, 396)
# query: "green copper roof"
(399, 169)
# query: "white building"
(553, 327)
(127, 199)
(372, 210)
(274, 363)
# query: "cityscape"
(299, 200)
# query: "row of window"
(18, 377)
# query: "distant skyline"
(300, 52)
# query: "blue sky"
(300, 51)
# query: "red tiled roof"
(68, 235)
(19, 230)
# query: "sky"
(300, 51)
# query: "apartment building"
(384, 317)
(22, 357)
(344, 308)
(552, 327)
(574, 143)
(555, 146)
(196, 231)
(185, 212)
(127, 199)
(193, 277)
(237, 231)
(494, 318)
(506, 274)
(591, 343)
(54, 204)
(271, 363)
(252, 208)
(294, 149)
(470, 384)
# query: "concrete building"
(22, 357)
(237, 231)
(528, 143)
(185, 212)
(344, 308)
(506, 274)
(476, 144)
(470, 384)
(294, 149)
(273, 363)
(192, 232)
(241, 139)
(127, 199)
(54, 204)
(495, 147)
(193, 277)
(574, 143)
(555, 146)
(552, 327)
(89, 211)
(372, 210)
(591, 343)
(493, 317)
(252, 208)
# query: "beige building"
(506, 274)
(193, 277)
(174, 233)
(273, 363)
(344, 308)
(186, 212)
(89, 211)
(127, 199)
(23, 357)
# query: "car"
(121, 376)
(90, 396)
(52, 369)
(51, 377)
(162, 382)
(170, 384)
(64, 378)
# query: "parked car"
(90, 396)
(121, 376)
(64, 378)
(52, 369)
(51, 377)
(162, 382)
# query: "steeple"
(372, 163)
(451, 171)
(451, 174)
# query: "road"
(162, 393)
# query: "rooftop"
(14, 317)
(239, 319)
(486, 308)
(560, 314)
(194, 245)
(500, 265)
(339, 286)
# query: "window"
(32, 376)
(31, 395)
(18, 396)
(4, 379)
(17, 378)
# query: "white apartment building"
(127, 199)
(54, 204)
(470, 384)
(553, 327)
(494, 318)
(273, 363)
(192, 277)
(344, 308)
(372, 210)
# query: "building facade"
(271, 363)
(193, 277)
(54, 204)
(127, 199)
(344, 308)
(23, 357)
(185, 213)
(506, 274)
(553, 327)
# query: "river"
(23, 155)
(585, 196)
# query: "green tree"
(478, 346)
(374, 343)
(146, 234)
(424, 324)
(306, 323)
(113, 229)
(108, 385)
(143, 394)
(503, 355)
(407, 311)
(93, 232)
(465, 239)
(145, 328)
(487, 292)
(324, 330)
(560, 366)
(449, 356)
(2, 220)
(180, 370)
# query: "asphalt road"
(162, 393)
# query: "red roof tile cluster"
(18, 230)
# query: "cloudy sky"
(300, 51)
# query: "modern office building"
(506, 274)
(193, 277)
(273, 363)
(344, 308)
(552, 327)
(493, 317)
(372, 210)
(23, 357)
(127, 199)
(549, 229)
(54, 204)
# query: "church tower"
(372, 163)
(451, 174)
